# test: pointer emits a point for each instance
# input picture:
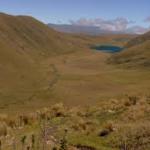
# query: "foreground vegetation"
(115, 124)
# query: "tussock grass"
(109, 125)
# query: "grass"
(83, 79)
(84, 125)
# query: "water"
(108, 48)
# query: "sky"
(85, 12)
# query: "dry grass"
(110, 125)
(132, 137)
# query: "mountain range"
(94, 30)
(79, 29)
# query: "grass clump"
(3, 129)
(132, 137)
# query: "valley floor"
(82, 78)
(115, 114)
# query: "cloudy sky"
(114, 15)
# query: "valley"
(81, 79)
(58, 92)
(60, 68)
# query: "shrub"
(132, 137)
(3, 129)
(54, 148)
(64, 142)
(132, 100)
(23, 141)
(58, 110)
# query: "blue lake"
(108, 48)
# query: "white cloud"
(118, 24)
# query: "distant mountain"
(78, 29)
(136, 52)
(137, 30)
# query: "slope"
(24, 44)
(136, 53)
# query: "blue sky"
(61, 11)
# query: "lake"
(108, 48)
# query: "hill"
(138, 40)
(136, 53)
(24, 44)
(22, 31)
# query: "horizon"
(118, 16)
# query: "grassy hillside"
(29, 54)
(138, 40)
(24, 44)
(135, 54)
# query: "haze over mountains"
(79, 29)
(95, 30)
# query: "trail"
(51, 84)
(56, 76)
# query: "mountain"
(136, 52)
(78, 29)
(26, 33)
